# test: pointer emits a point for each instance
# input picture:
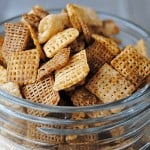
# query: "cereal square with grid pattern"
(86, 31)
(3, 75)
(87, 14)
(108, 85)
(33, 133)
(108, 43)
(59, 41)
(34, 36)
(98, 53)
(22, 66)
(16, 37)
(74, 72)
(57, 62)
(42, 92)
(82, 97)
(132, 65)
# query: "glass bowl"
(126, 129)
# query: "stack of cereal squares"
(73, 52)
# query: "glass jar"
(79, 128)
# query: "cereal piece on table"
(82, 97)
(41, 92)
(3, 75)
(101, 51)
(109, 86)
(57, 62)
(59, 41)
(22, 66)
(140, 46)
(34, 36)
(32, 19)
(16, 38)
(87, 14)
(132, 65)
(39, 11)
(51, 25)
(74, 72)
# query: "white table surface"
(137, 11)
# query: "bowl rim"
(145, 91)
(129, 22)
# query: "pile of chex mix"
(74, 53)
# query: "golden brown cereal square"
(77, 45)
(1, 41)
(132, 65)
(82, 97)
(99, 114)
(2, 60)
(59, 41)
(110, 27)
(73, 16)
(100, 52)
(87, 14)
(34, 36)
(107, 43)
(86, 31)
(3, 75)
(22, 66)
(74, 72)
(42, 92)
(57, 62)
(109, 86)
(16, 37)
(34, 134)
(140, 46)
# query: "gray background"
(137, 11)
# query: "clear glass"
(127, 128)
